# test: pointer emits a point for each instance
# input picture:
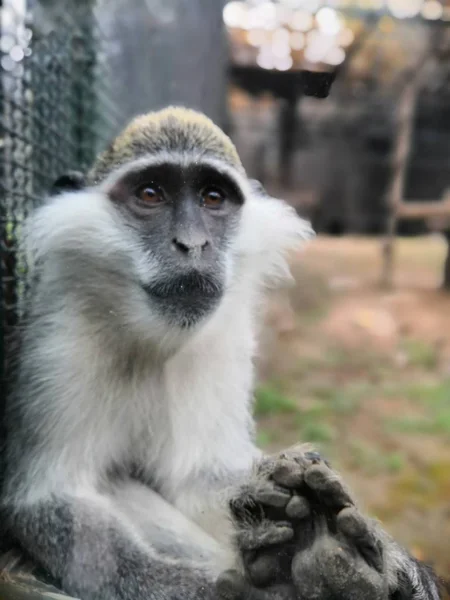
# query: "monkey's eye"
(212, 197)
(150, 195)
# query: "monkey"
(129, 466)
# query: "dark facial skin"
(185, 218)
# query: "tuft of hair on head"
(173, 129)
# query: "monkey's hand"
(265, 511)
(297, 523)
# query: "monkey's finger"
(298, 508)
(352, 524)
(281, 469)
(267, 533)
(288, 473)
(291, 465)
(268, 566)
(327, 486)
(254, 498)
(261, 567)
(272, 496)
(231, 585)
(286, 469)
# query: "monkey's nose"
(189, 246)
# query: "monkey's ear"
(258, 188)
(70, 181)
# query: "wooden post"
(446, 278)
(400, 158)
(402, 146)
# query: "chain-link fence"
(55, 115)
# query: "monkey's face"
(184, 218)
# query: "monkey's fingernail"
(275, 498)
(262, 536)
(314, 456)
(288, 475)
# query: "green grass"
(395, 462)
(327, 403)
(373, 460)
(269, 400)
(342, 399)
(435, 424)
(420, 354)
(435, 394)
(433, 400)
(265, 438)
(442, 422)
(356, 364)
(319, 432)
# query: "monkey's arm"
(92, 553)
(410, 578)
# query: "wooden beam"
(400, 159)
(423, 210)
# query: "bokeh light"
(304, 33)
(432, 10)
(328, 21)
(235, 14)
(302, 20)
(404, 9)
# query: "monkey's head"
(170, 225)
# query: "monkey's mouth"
(189, 286)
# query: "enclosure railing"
(56, 113)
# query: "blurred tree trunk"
(400, 161)
(400, 156)
(164, 52)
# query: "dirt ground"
(364, 374)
